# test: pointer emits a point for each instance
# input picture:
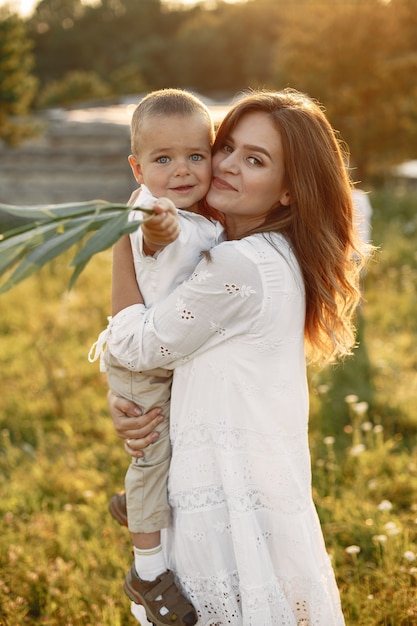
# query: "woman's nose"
(228, 163)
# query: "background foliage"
(17, 84)
(356, 57)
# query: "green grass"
(63, 558)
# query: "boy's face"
(174, 159)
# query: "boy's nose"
(181, 168)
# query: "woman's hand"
(136, 429)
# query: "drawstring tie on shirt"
(98, 348)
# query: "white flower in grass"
(378, 429)
(357, 450)
(390, 525)
(352, 549)
(351, 399)
(366, 427)
(329, 441)
(360, 408)
(323, 389)
(385, 505)
(380, 538)
(392, 529)
(413, 571)
(409, 556)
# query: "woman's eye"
(227, 148)
(196, 157)
(254, 160)
(162, 159)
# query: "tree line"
(357, 57)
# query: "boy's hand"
(161, 229)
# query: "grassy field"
(63, 558)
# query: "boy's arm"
(161, 229)
(125, 290)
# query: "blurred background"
(71, 70)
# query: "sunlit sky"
(25, 7)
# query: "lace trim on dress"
(295, 602)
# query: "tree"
(363, 81)
(17, 84)
(74, 87)
(54, 31)
(113, 38)
(227, 48)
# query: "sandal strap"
(161, 588)
(170, 597)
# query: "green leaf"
(13, 249)
(43, 254)
(103, 239)
(21, 244)
(39, 234)
(15, 219)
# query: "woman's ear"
(136, 169)
(285, 199)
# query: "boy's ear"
(136, 168)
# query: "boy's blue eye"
(196, 157)
(163, 159)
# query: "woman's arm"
(223, 298)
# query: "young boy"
(171, 137)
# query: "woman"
(245, 540)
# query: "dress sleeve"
(221, 299)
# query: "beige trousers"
(146, 478)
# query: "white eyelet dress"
(245, 540)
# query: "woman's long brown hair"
(319, 223)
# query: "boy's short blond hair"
(166, 102)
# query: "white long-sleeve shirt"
(158, 275)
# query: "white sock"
(149, 564)
(139, 614)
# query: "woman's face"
(248, 174)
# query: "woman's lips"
(220, 183)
